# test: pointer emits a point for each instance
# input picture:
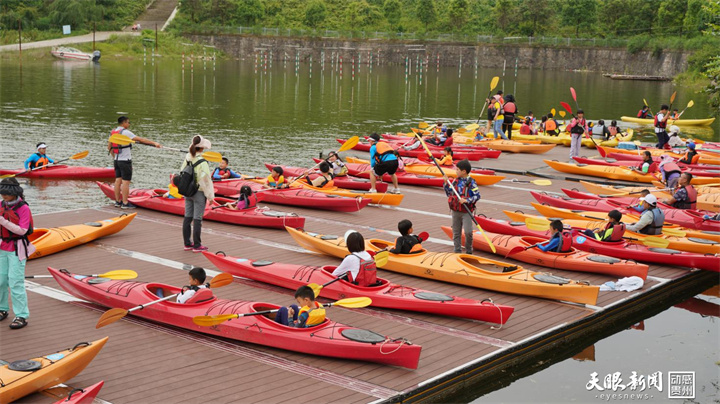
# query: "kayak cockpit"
(257, 307)
(381, 282)
(159, 291)
(486, 266)
(37, 234)
(382, 245)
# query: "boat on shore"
(67, 53)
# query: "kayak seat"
(202, 295)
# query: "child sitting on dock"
(39, 158)
(358, 267)
(276, 178)
(223, 172)
(306, 313)
(561, 240)
(407, 243)
(197, 282)
(339, 169)
(245, 199)
(613, 230)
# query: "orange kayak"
(705, 157)
(575, 260)
(56, 239)
(376, 197)
(50, 370)
(424, 169)
(462, 269)
(517, 147)
(617, 173)
(708, 197)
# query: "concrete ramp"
(157, 14)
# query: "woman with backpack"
(15, 226)
(204, 193)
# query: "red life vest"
(565, 242)
(114, 147)
(660, 124)
(670, 168)
(10, 214)
(41, 161)
(651, 168)
(510, 107)
(691, 202)
(525, 130)
(367, 273)
(618, 230)
(453, 200)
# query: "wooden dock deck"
(146, 362)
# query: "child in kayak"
(339, 169)
(276, 178)
(223, 172)
(640, 207)
(407, 243)
(39, 158)
(526, 129)
(245, 199)
(197, 282)
(691, 155)
(306, 313)
(614, 129)
(447, 158)
(561, 240)
(647, 166)
(324, 179)
(613, 230)
(675, 140)
(358, 267)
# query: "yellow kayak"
(462, 269)
(375, 197)
(426, 169)
(518, 147)
(679, 122)
(610, 142)
(617, 173)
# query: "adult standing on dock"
(195, 204)
(15, 248)
(578, 127)
(660, 125)
(509, 110)
(123, 162)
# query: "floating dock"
(148, 362)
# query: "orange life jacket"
(41, 161)
(10, 214)
(690, 157)
(382, 149)
(550, 125)
(367, 273)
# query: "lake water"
(278, 115)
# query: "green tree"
(536, 17)
(249, 11)
(695, 17)
(670, 16)
(458, 13)
(579, 14)
(426, 11)
(71, 12)
(223, 11)
(192, 8)
(359, 14)
(393, 12)
(315, 13)
(712, 9)
(506, 15)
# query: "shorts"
(386, 167)
(491, 115)
(123, 169)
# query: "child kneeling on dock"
(306, 313)
(358, 267)
(613, 230)
(197, 282)
(561, 240)
(407, 243)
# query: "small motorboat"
(64, 52)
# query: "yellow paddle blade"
(212, 156)
(492, 246)
(645, 102)
(110, 317)
(690, 104)
(672, 97)
(472, 127)
(81, 155)
(222, 279)
(494, 82)
(537, 227)
(381, 258)
(353, 302)
(316, 288)
(120, 274)
(537, 223)
(423, 125)
(562, 114)
(461, 130)
(552, 111)
(673, 232)
(543, 183)
(122, 140)
(656, 242)
(209, 321)
(349, 144)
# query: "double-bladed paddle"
(493, 84)
(588, 135)
(542, 183)
(116, 314)
(349, 144)
(76, 156)
(123, 140)
(689, 105)
(120, 274)
(210, 321)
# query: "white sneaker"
(372, 191)
(396, 191)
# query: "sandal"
(18, 323)
(3, 315)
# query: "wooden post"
(156, 38)
(20, 36)
(94, 27)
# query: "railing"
(412, 36)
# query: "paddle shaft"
(39, 168)
(276, 310)
(142, 306)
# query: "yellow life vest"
(173, 191)
(315, 315)
(272, 182)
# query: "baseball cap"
(651, 199)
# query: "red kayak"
(574, 260)
(687, 218)
(326, 339)
(83, 396)
(346, 182)
(61, 172)
(705, 172)
(622, 249)
(363, 171)
(306, 198)
(473, 155)
(700, 306)
(423, 160)
(406, 140)
(255, 217)
(625, 200)
(636, 159)
(388, 295)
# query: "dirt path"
(99, 36)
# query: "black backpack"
(185, 181)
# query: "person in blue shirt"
(223, 171)
(383, 160)
(39, 158)
(467, 188)
(560, 241)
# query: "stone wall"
(605, 60)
